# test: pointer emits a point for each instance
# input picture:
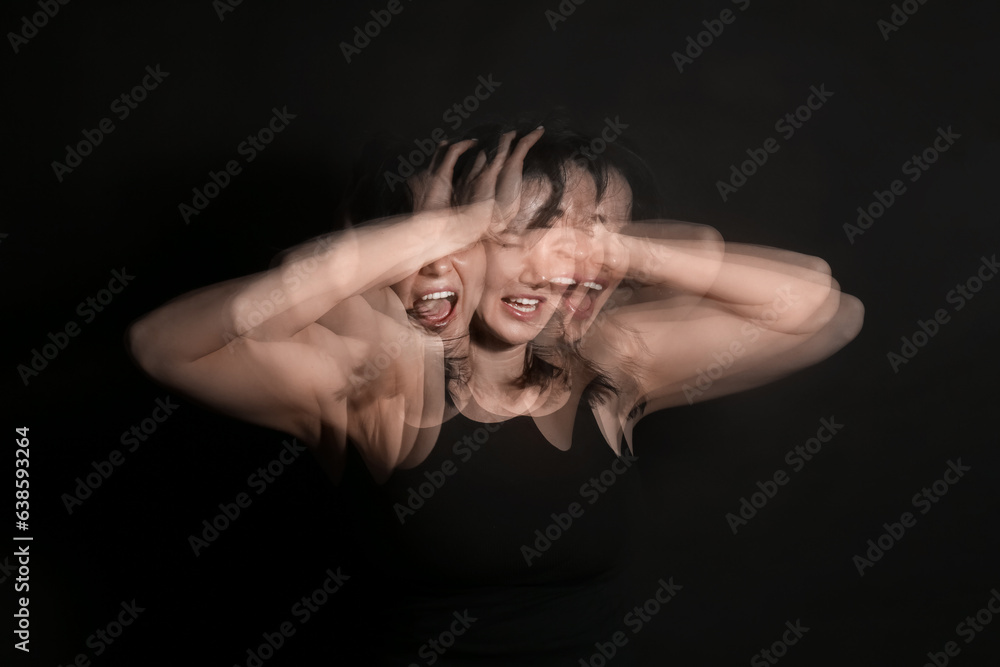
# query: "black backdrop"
(225, 69)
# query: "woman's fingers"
(445, 165)
(480, 183)
(432, 188)
(521, 150)
(437, 155)
(498, 178)
(508, 186)
(502, 151)
(475, 170)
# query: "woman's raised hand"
(498, 180)
(432, 188)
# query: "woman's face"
(529, 270)
(601, 261)
(442, 296)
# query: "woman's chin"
(504, 331)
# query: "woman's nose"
(439, 267)
(590, 256)
(554, 257)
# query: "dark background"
(119, 208)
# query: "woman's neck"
(495, 371)
(496, 365)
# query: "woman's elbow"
(840, 319)
(143, 346)
(850, 317)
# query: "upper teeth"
(523, 305)
(563, 281)
(592, 285)
(437, 295)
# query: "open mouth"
(581, 297)
(436, 309)
(522, 307)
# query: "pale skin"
(321, 347)
(350, 350)
(773, 311)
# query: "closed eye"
(507, 243)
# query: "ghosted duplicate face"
(442, 296)
(600, 261)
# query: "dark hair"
(370, 196)
(558, 148)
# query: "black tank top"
(500, 545)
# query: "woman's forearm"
(312, 279)
(754, 282)
(316, 276)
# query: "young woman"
(320, 346)
(494, 502)
(517, 516)
(695, 318)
